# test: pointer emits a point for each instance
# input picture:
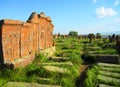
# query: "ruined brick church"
(19, 41)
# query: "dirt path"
(80, 80)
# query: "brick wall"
(20, 40)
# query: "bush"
(73, 34)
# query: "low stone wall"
(28, 59)
(102, 58)
(107, 58)
(21, 62)
(24, 61)
(49, 51)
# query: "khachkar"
(20, 40)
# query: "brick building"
(20, 40)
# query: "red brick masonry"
(20, 40)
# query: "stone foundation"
(49, 51)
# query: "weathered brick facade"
(20, 40)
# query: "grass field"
(62, 69)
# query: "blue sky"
(83, 16)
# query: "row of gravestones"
(112, 38)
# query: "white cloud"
(104, 12)
(94, 1)
(117, 2)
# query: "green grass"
(71, 48)
(90, 80)
(108, 80)
(111, 69)
(99, 74)
(74, 51)
(109, 65)
(110, 74)
(68, 47)
(106, 51)
(67, 82)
